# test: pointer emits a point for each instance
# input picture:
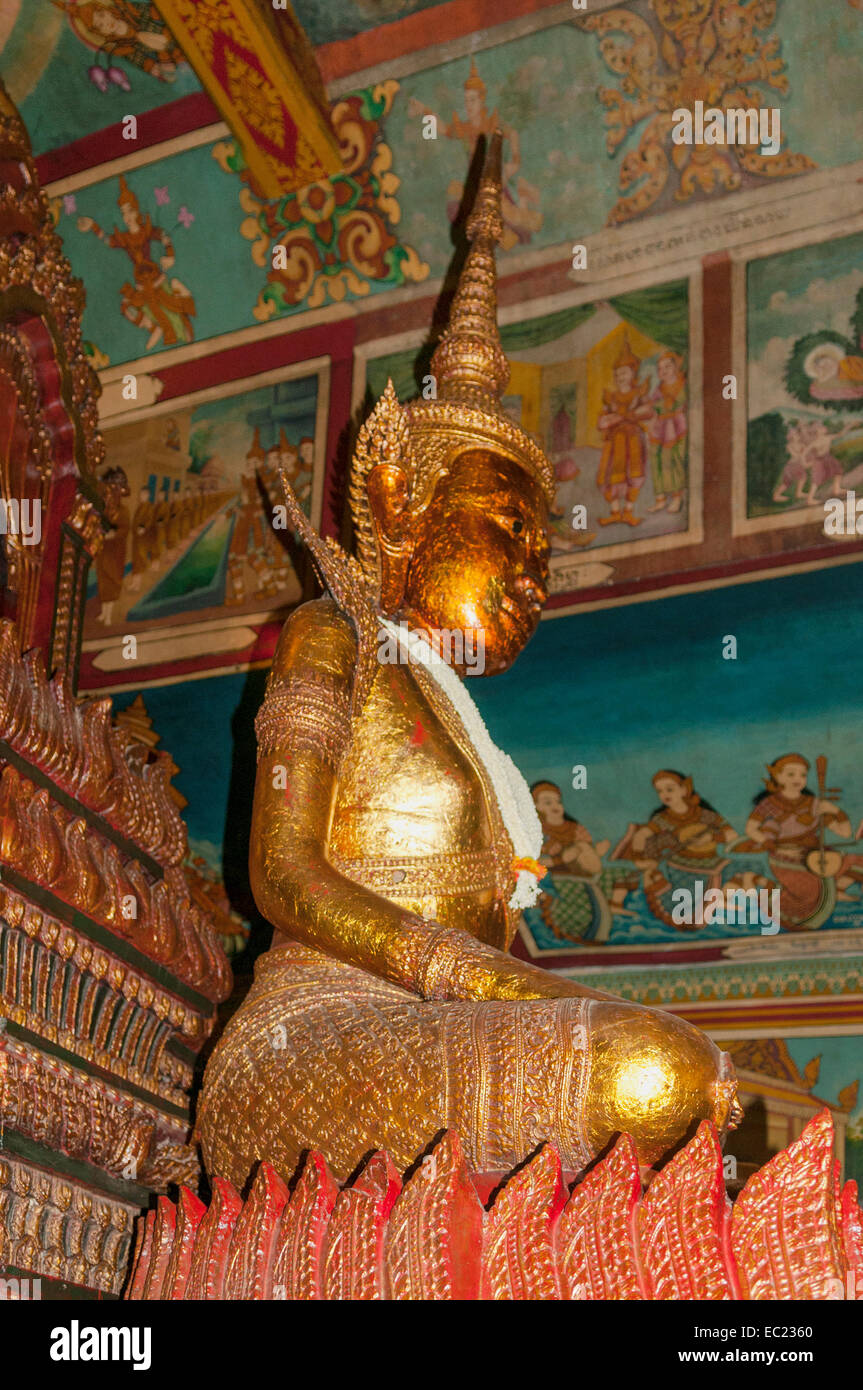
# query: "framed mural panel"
(799, 432)
(611, 388)
(200, 557)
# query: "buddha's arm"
(303, 731)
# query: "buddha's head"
(450, 496)
(480, 556)
(471, 559)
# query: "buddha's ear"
(389, 498)
(389, 502)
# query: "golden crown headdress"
(626, 357)
(470, 371)
(474, 82)
(126, 197)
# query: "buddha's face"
(480, 556)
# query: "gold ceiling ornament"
(469, 366)
(255, 62)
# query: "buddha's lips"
(522, 611)
(531, 592)
(519, 615)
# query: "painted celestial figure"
(165, 308)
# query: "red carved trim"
(335, 340)
(789, 1235)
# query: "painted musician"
(785, 821)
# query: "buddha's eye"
(511, 521)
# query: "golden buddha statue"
(393, 844)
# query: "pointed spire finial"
(469, 363)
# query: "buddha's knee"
(654, 1077)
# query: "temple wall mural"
(620, 167)
(659, 787)
(100, 61)
(387, 386)
(805, 379)
(197, 541)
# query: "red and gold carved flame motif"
(791, 1234)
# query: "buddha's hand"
(451, 965)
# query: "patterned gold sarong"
(324, 1056)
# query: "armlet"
(310, 711)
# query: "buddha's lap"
(322, 1055)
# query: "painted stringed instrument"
(825, 861)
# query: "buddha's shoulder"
(318, 634)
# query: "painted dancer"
(668, 434)
(132, 33)
(519, 199)
(623, 425)
(165, 308)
